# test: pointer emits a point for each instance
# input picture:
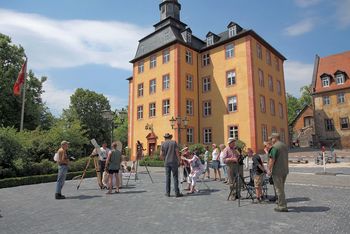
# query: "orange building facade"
(331, 95)
(228, 85)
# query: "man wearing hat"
(62, 169)
(230, 157)
(278, 168)
(169, 152)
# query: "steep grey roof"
(168, 34)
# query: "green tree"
(121, 132)
(306, 97)
(11, 60)
(87, 106)
(293, 107)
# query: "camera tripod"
(97, 169)
(239, 180)
(136, 171)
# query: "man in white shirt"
(102, 157)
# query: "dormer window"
(188, 37)
(210, 40)
(232, 31)
(340, 78)
(325, 81)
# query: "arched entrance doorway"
(151, 143)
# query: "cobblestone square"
(317, 204)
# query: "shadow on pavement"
(83, 197)
(130, 192)
(299, 209)
(297, 199)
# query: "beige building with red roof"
(331, 97)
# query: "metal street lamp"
(176, 124)
(110, 116)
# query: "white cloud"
(342, 12)
(51, 43)
(301, 27)
(296, 75)
(56, 99)
(306, 3)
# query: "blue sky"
(88, 43)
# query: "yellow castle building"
(230, 84)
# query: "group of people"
(229, 158)
(109, 162)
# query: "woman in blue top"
(112, 167)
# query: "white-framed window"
(329, 124)
(210, 40)
(188, 56)
(232, 31)
(189, 135)
(325, 81)
(189, 82)
(340, 79)
(261, 78)
(273, 130)
(233, 132)
(268, 57)
(229, 51)
(189, 107)
(153, 61)
(141, 66)
(166, 82)
(206, 59)
(140, 90)
(206, 84)
(283, 135)
(272, 107)
(166, 107)
(280, 110)
(264, 132)
(279, 88)
(207, 135)
(341, 97)
(262, 104)
(232, 104)
(231, 78)
(152, 86)
(270, 83)
(277, 63)
(139, 112)
(259, 51)
(206, 108)
(326, 100)
(152, 109)
(344, 123)
(188, 37)
(166, 56)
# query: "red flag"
(20, 80)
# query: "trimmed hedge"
(152, 163)
(18, 181)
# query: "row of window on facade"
(339, 79)
(207, 134)
(232, 106)
(231, 80)
(229, 53)
(340, 99)
(343, 122)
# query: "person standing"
(215, 162)
(62, 162)
(222, 163)
(102, 158)
(279, 169)
(230, 157)
(169, 152)
(258, 171)
(206, 161)
(113, 166)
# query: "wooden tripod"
(97, 169)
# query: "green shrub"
(200, 148)
(18, 181)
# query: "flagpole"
(23, 97)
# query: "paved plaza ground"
(317, 204)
